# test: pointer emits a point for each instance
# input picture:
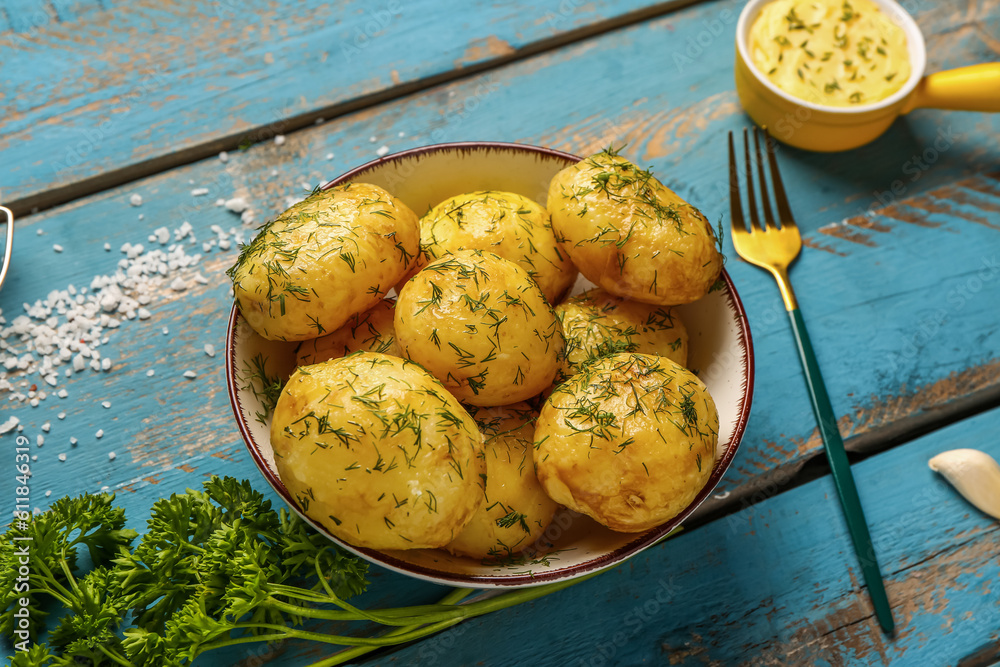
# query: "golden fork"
(773, 244)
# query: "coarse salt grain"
(279, 140)
(151, 372)
(112, 456)
(209, 349)
(135, 200)
(237, 204)
(198, 192)
(62, 457)
(73, 441)
(382, 151)
(106, 404)
(190, 375)
(61, 415)
(57, 247)
(9, 425)
(224, 156)
(99, 434)
(329, 156)
(47, 426)
(40, 440)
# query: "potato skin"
(370, 331)
(505, 223)
(596, 323)
(375, 449)
(324, 260)
(631, 235)
(516, 511)
(629, 440)
(479, 324)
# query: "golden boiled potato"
(506, 223)
(596, 323)
(323, 261)
(376, 450)
(482, 326)
(631, 235)
(517, 510)
(370, 331)
(629, 440)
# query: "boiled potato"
(323, 261)
(516, 510)
(506, 223)
(377, 450)
(629, 440)
(596, 323)
(370, 331)
(629, 234)
(482, 326)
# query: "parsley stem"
(454, 597)
(114, 656)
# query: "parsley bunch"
(215, 568)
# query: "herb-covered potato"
(482, 326)
(517, 510)
(370, 331)
(629, 440)
(324, 260)
(506, 223)
(375, 449)
(629, 234)
(596, 323)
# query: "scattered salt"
(57, 247)
(329, 156)
(190, 375)
(99, 434)
(248, 217)
(372, 139)
(112, 456)
(382, 151)
(73, 441)
(279, 140)
(106, 404)
(237, 204)
(150, 373)
(178, 285)
(135, 200)
(198, 192)
(40, 440)
(209, 349)
(224, 156)
(62, 457)
(9, 425)
(47, 426)
(61, 415)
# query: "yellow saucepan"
(816, 127)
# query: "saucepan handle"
(973, 88)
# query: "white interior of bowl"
(914, 46)
(719, 350)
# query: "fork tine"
(765, 200)
(751, 198)
(780, 199)
(735, 208)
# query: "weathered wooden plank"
(851, 295)
(776, 584)
(95, 97)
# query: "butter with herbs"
(830, 52)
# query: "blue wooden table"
(128, 125)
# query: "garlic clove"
(974, 474)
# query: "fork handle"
(842, 476)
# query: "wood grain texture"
(777, 584)
(896, 335)
(91, 92)
(903, 323)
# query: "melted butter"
(830, 52)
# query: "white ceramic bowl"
(720, 350)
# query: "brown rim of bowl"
(642, 541)
(461, 146)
